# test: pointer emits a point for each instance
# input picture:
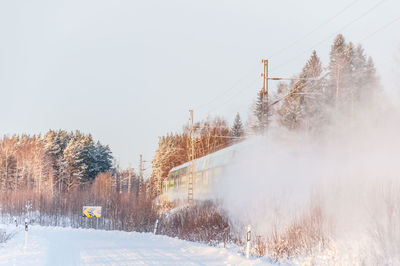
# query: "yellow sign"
(91, 211)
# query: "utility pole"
(264, 93)
(129, 179)
(6, 165)
(265, 77)
(191, 157)
(141, 174)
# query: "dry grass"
(4, 236)
(260, 247)
(206, 222)
(385, 228)
(299, 238)
(202, 222)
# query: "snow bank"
(68, 246)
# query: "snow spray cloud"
(351, 171)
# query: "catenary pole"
(191, 175)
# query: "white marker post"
(26, 232)
(155, 227)
(248, 241)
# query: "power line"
(243, 90)
(282, 50)
(232, 97)
(330, 36)
(226, 91)
(380, 29)
(298, 40)
(313, 31)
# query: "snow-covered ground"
(67, 246)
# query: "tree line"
(49, 178)
(348, 83)
(57, 161)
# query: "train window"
(197, 178)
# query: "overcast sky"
(128, 71)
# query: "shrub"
(260, 247)
(202, 222)
(301, 237)
(4, 236)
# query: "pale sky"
(129, 71)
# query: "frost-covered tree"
(262, 113)
(259, 109)
(237, 128)
(8, 171)
(359, 66)
(55, 143)
(364, 79)
(301, 108)
(75, 157)
(313, 88)
(102, 158)
(85, 158)
(352, 77)
(339, 68)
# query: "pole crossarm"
(294, 78)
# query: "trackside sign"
(91, 211)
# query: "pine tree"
(74, 156)
(303, 105)
(258, 109)
(237, 128)
(370, 90)
(102, 158)
(55, 143)
(262, 113)
(8, 169)
(339, 71)
(352, 77)
(313, 87)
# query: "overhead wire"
(231, 88)
(294, 43)
(274, 54)
(242, 90)
(313, 31)
(380, 29)
(363, 39)
(331, 36)
(383, 27)
(290, 93)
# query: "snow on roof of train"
(220, 157)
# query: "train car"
(207, 171)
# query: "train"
(208, 170)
